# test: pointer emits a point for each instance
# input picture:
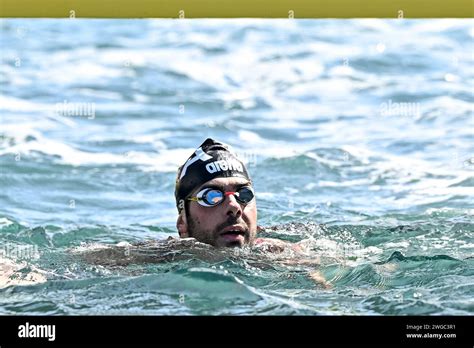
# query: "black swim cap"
(211, 160)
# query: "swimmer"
(19, 273)
(217, 211)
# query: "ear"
(182, 225)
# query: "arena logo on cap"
(223, 165)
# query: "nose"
(233, 207)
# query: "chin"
(232, 243)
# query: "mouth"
(233, 234)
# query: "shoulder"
(275, 245)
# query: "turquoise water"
(358, 135)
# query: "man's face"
(228, 224)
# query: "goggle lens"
(213, 197)
(244, 195)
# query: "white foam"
(163, 161)
(4, 222)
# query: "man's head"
(214, 197)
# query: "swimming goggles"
(210, 197)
